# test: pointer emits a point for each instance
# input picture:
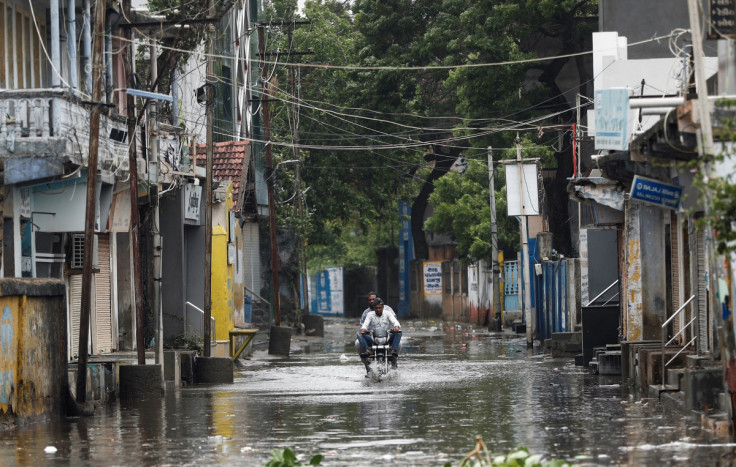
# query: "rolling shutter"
(103, 289)
(75, 308)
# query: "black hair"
(377, 301)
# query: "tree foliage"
(453, 111)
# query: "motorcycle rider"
(386, 310)
(379, 319)
(372, 296)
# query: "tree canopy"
(409, 87)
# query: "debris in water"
(50, 450)
(344, 358)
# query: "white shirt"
(386, 309)
(386, 320)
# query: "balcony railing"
(55, 123)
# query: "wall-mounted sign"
(722, 19)
(656, 192)
(432, 278)
(193, 198)
(611, 118)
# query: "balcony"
(51, 127)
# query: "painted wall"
(224, 309)
(33, 371)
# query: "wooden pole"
(91, 208)
(210, 99)
(276, 302)
(134, 231)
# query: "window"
(21, 47)
(77, 261)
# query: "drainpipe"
(87, 49)
(71, 43)
(55, 45)
(108, 59)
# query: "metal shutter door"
(251, 258)
(103, 288)
(75, 308)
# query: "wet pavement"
(452, 384)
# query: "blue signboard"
(406, 254)
(611, 118)
(656, 192)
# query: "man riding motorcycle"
(374, 320)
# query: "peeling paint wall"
(633, 292)
(645, 285)
(33, 378)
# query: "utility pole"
(524, 249)
(91, 207)
(295, 88)
(269, 179)
(210, 99)
(495, 318)
(134, 218)
(708, 150)
(153, 165)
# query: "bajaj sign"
(655, 192)
(611, 118)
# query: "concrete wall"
(223, 274)
(33, 378)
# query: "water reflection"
(452, 384)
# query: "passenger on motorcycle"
(387, 310)
(378, 319)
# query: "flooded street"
(452, 384)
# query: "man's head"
(371, 296)
(378, 306)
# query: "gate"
(510, 285)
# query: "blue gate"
(511, 285)
(552, 310)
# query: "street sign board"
(611, 119)
(722, 19)
(514, 185)
(655, 192)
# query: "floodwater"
(452, 384)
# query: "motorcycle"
(380, 359)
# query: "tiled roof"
(227, 161)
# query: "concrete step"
(609, 363)
(520, 328)
(565, 344)
(656, 390)
(702, 388)
(674, 376)
(593, 365)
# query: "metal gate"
(552, 304)
(511, 285)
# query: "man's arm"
(366, 322)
